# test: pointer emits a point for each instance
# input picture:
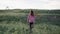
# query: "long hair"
(32, 13)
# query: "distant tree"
(7, 7)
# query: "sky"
(30, 4)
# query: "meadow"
(15, 22)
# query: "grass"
(21, 28)
(15, 23)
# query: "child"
(31, 19)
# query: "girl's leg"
(30, 28)
(30, 25)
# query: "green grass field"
(15, 22)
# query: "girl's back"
(31, 18)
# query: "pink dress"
(31, 19)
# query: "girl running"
(31, 19)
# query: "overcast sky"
(27, 4)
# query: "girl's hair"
(32, 13)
